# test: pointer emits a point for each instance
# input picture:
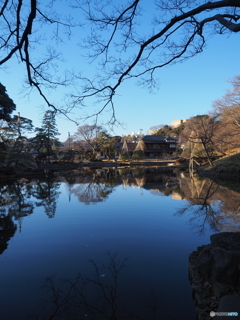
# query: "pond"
(107, 243)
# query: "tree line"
(16, 147)
(207, 135)
(14, 143)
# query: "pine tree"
(49, 129)
(40, 140)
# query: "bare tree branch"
(115, 41)
(126, 54)
(22, 24)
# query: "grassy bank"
(227, 166)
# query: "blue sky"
(186, 89)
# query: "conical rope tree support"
(138, 153)
(124, 152)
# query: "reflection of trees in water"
(139, 175)
(46, 193)
(18, 200)
(95, 185)
(97, 296)
(151, 178)
(229, 207)
(229, 196)
(15, 204)
(7, 231)
(15, 200)
(127, 177)
(210, 204)
(92, 185)
(143, 177)
(91, 193)
(202, 211)
(107, 176)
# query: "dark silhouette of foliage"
(7, 106)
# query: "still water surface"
(106, 244)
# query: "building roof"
(131, 145)
(157, 139)
(171, 139)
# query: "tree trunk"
(206, 151)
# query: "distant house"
(156, 146)
(152, 146)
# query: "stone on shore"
(214, 273)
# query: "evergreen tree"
(20, 125)
(138, 155)
(17, 141)
(40, 140)
(49, 129)
(7, 106)
(164, 131)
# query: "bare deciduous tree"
(30, 33)
(200, 130)
(89, 134)
(228, 110)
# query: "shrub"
(138, 155)
(124, 156)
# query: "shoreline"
(49, 169)
(227, 167)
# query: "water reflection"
(144, 228)
(201, 203)
(97, 295)
(92, 192)
(19, 198)
(46, 194)
(15, 200)
(209, 204)
(7, 231)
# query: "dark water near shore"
(107, 243)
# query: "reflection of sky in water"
(133, 221)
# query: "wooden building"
(157, 145)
